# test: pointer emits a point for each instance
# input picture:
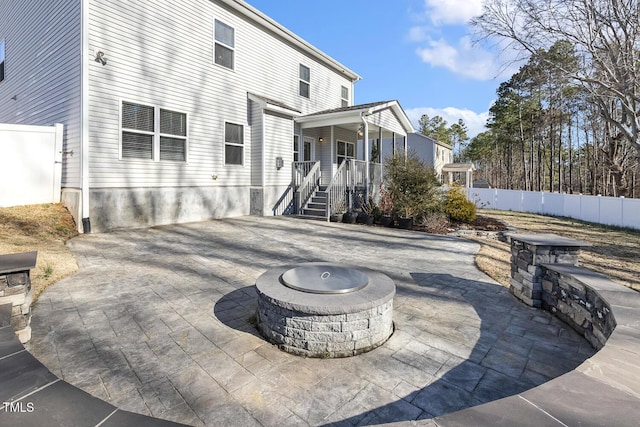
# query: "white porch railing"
(299, 171)
(337, 190)
(309, 183)
(376, 176)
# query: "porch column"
(366, 159)
(404, 139)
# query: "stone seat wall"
(605, 389)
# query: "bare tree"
(605, 35)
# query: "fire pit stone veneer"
(341, 323)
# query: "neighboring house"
(182, 110)
(433, 153)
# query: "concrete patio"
(159, 321)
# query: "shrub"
(458, 207)
(412, 186)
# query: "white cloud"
(465, 59)
(449, 12)
(475, 121)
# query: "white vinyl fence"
(616, 211)
(30, 164)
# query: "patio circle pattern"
(158, 321)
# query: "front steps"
(316, 208)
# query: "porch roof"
(458, 167)
(273, 105)
(353, 115)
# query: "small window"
(137, 131)
(233, 144)
(296, 148)
(1, 60)
(345, 96)
(224, 48)
(305, 80)
(173, 136)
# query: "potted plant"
(349, 217)
(339, 209)
(385, 206)
(366, 214)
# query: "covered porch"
(338, 155)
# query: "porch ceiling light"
(360, 131)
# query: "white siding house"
(177, 110)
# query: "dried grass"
(43, 228)
(615, 251)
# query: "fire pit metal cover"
(324, 278)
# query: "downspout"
(263, 169)
(84, 119)
(365, 137)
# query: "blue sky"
(416, 51)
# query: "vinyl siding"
(279, 132)
(388, 120)
(256, 123)
(160, 53)
(42, 70)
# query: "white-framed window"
(296, 148)
(345, 150)
(344, 94)
(305, 81)
(173, 135)
(153, 133)
(233, 144)
(138, 131)
(224, 44)
(1, 60)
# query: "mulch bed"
(481, 223)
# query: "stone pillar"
(528, 253)
(15, 289)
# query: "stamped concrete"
(160, 322)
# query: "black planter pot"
(405, 223)
(337, 217)
(386, 221)
(364, 218)
(349, 218)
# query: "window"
(224, 44)
(1, 60)
(173, 135)
(233, 144)
(141, 139)
(296, 148)
(345, 96)
(345, 150)
(138, 127)
(305, 80)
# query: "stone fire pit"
(324, 309)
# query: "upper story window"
(233, 144)
(344, 94)
(1, 60)
(224, 49)
(142, 139)
(305, 81)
